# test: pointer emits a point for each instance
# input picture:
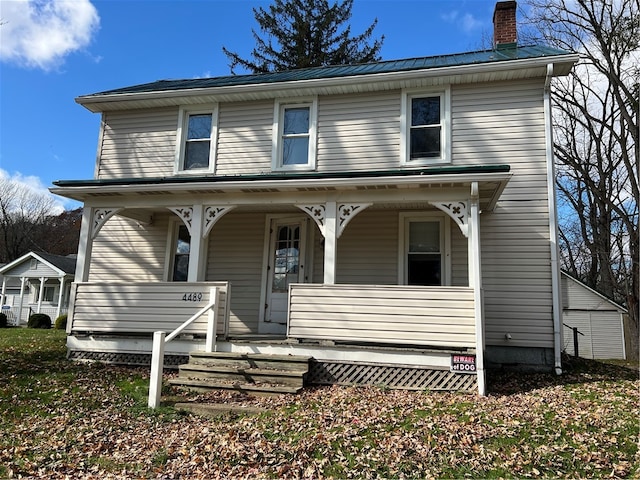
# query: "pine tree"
(306, 33)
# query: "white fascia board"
(272, 90)
(285, 185)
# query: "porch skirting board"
(407, 368)
(406, 377)
(171, 362)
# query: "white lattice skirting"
(392, 376)
(326, 372)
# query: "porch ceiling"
(388, 188)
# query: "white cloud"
(35, 185)
(464, 21)
(41, 33)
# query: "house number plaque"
(192, 297)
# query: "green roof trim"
(508, 52)
(434, 171)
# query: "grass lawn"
(60, 419)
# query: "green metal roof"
(404, 65)
(433, 171)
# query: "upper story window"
(294, 136)
(196, 140)
(425, 128)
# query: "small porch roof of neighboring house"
(61, 265)
(491, 179)
(505, 63)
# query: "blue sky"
(52, 51)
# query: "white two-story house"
(393, 219)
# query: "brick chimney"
(504, 25)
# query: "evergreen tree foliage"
(306, 33)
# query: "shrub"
(3, 320)
(39, 320)
(61, 322)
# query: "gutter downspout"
(553, 225)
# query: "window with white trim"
(425, 128)
(294, 136)
(195, 151)
(425, 250)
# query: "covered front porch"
(381, 269)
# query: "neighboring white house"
(36, 283)
(395, 221)
(599, 320)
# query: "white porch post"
(475, 281)
(85, 246)
(198, 247)
(23, 280)
(330, 243)
(60, 297)
(40, 294)
(4, 289)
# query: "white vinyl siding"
(459, 255)
(244, 138)
(358, 132)
(138, 144)
(142, 307)
(367, 249)
(503, 123)
(32, 268)
(436, 316)
(236, 246)
(596, 317)
(124, 251)
(577, 296)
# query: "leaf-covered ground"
(68, 420)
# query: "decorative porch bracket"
(346, 212)
(458, 211)
(212, 214)
(100, 217)
(185, 214)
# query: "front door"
(285, 265)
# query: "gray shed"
(599, 319)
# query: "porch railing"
(160, 339)
(392, 314)
(142, 307)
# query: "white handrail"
(161, 338)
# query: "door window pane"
(287, 258)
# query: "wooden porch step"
(245, 372)
(251, 360)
